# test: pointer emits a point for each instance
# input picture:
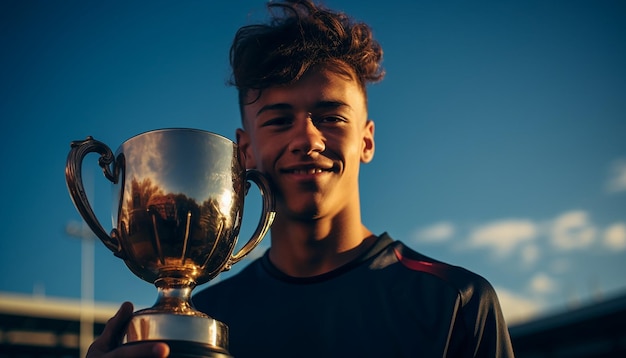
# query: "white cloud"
(503, 236)
(542, 284)
(572, 230)
(530, 255)
(438, 232)
(516, 308)
(615, 237)
(617, 178)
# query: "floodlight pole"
(81, 231)
(86, 283)
(86, 293)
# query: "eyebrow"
(287, 106)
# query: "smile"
(307, 171)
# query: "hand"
(108, 345)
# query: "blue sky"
(500, 133)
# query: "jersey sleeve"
(478, 328)
(482, 322)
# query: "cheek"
(353, 147)
(267, 151)
(257, 158)
(265, 160)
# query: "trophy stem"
(174, 297)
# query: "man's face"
(310, 139)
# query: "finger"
(114, 329)
(113, 332)
(136, 350)
(107, 345)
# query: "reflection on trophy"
(178, 197)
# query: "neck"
(313, 247)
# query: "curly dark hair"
(299, 36)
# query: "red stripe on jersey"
(417, 265)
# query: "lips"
(307, 170)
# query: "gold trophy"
(178, 197)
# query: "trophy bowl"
(177, 208)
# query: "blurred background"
(499, 135)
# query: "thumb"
(113, 332)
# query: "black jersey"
(390, 302)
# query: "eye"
(329, 120)
(277, 121)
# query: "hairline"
(335, 66)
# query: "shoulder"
(468, 284)
(479, 319)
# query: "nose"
(306, 137)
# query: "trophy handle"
(267, 216)
(74, 180)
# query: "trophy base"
(187, 349)
(187, 335)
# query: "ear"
(367, 151)
(245, 149)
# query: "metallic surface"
(178, 197)
(163, 326)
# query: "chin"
(301, 211)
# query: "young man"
(328, 286)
